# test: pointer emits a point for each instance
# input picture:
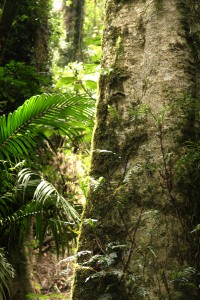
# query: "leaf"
(106, 296)
(21, 130)
(91, 84)
(197, 228)
(50, 210)
(7, 272)
(65, 81)
(44, 297)
(95, 40)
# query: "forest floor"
(52, 277)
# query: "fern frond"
(50, 211)
(6, 274)
(20, 131)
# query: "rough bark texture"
(145, 205)
(41, 47)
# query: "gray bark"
(145, 206)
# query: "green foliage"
(189, 124)
(183, 276)
(44, 297)
(81, 81)
(6, 274)
(31, 17)
(196, 229)
(79, 78)
(93, 25)
(192, 155)
(26, 197)
(19, 134)
(18, 82)
(139, 113)
(34, 197)
(21, 130)
(103, 262)
(104, 268)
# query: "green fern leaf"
(21, 130)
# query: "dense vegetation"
(49, 69)
(37, 204)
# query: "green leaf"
(7, 272)
(21, 130)
(50, 210)
(91, 84)
(65, 81)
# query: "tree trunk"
(21, 285)
(29, 43)
(73, 22)
(41, 47)
(6, 22)
(141, 195)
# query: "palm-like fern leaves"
(43, 208)
(52, 213)
(6, 274)
(20, 131)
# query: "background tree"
(144, 193)
(22, 25)
(82, 23)
(25, 52)
(9, 11)
(73, 17)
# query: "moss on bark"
(138, 141)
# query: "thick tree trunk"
(145, 205)
(41, 47)
(6, 22)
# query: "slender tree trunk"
(73, 22)
(145, 205)
(22, 283)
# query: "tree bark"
(73, 22)
(28, 44)
(21, 284)
(41, 55)
(145, 205)
(6, 22)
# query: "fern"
(21, 130)
(50, 210)
(6, 274)
(106, 296)
(33, 200)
